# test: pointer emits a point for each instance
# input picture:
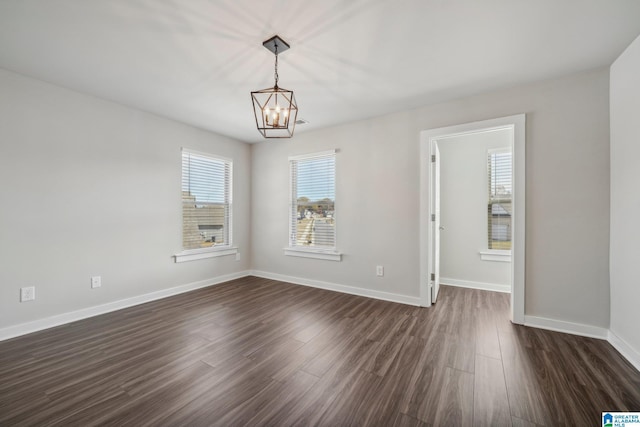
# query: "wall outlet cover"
(96, 281)
(28, 293)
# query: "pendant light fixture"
(275, 108)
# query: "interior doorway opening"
(505, 208)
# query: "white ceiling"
(196, 61)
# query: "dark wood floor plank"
(390, 344)
(519, 422)
(455, 406)
(20, 403)
(403, 420)
(327, 339)
(487, 342)
(90, 415)
(603, 362)
(321, 362)
(208, 409)
(310, 407)
(567, 399)
(298, 385)
(153, 375)
(460, 353)
(347, 411)
(54, 411)
(259, 352)
(380, 395)
(525, 380)
(161, 401)
(424, 386)
(388, 396)
(490, 401)
(131, 365)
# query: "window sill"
(195, 254)
(317, 254)
(495, 255)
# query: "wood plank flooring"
(260, 352)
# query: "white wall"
(463, 209)
(625, 197)
(89, 187)
(377, 199)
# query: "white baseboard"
(566, 327)
(628, 352)
(386, 296)
(621, 346)
(475, 285)
(61, 319)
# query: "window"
(206, 203)
(312, 213)
(499, 206)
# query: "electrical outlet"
(28, 293)
(237, 256)
(96, 282)
(379, 271)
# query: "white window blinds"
(206, 201)
(312, 208)
(499, 207)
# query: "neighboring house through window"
(312, 213)
(206, 201)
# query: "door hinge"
(433, 276)
(433, 217)
(433, 158)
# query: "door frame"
(434, 228)
(428, 139)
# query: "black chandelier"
(275, 108)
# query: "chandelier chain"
(275, 74)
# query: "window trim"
(500, 255)
(313, 253)
(214, 251)
(203, 253)
(324, 253)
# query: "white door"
(436, 223)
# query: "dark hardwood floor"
(260, 352)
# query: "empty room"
(319, 213)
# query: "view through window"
(206, 201)
(312, 213)
(500, 207)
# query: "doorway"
(430, 220)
